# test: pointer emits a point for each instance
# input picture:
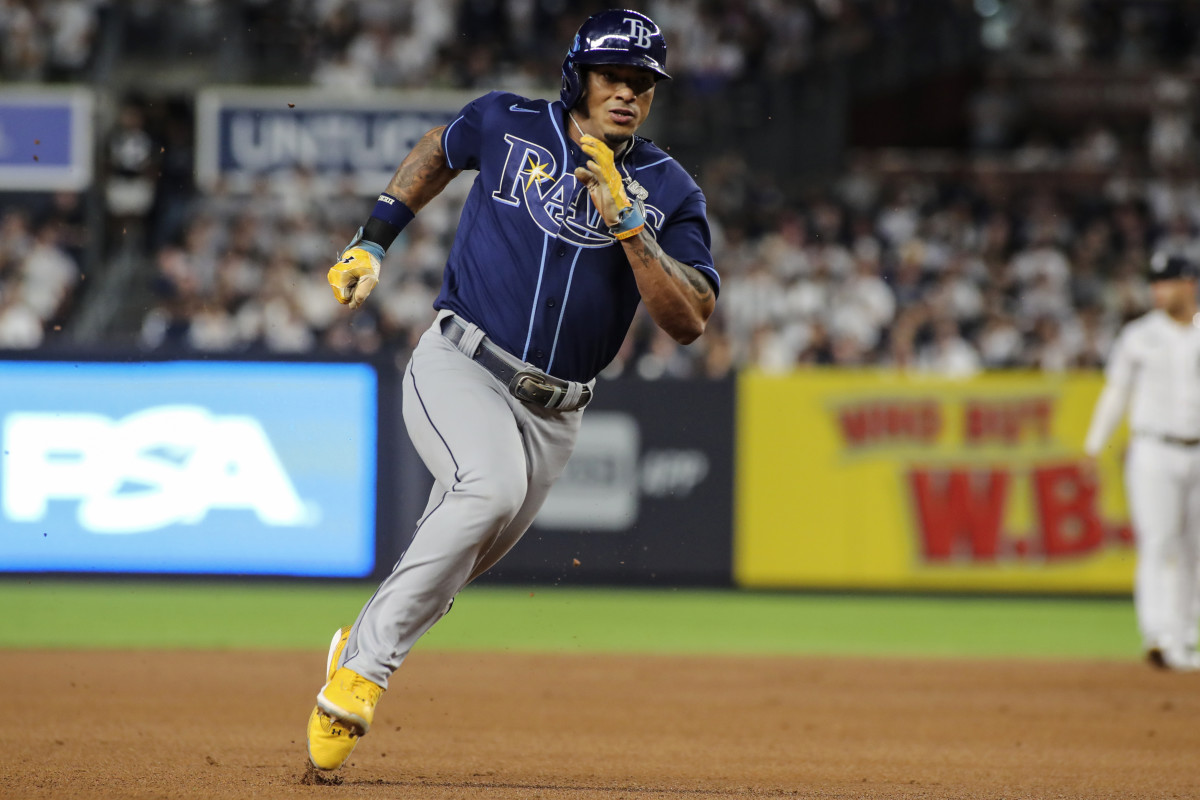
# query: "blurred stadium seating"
(937, 185)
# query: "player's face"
(618, 101)
(1173, 296)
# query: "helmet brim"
(598, 56)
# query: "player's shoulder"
(1147, 330)
(500, 101)
(1138, 326)
(650, 159)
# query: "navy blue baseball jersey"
(532, 263)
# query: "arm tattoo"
(423, 174)
(649, 251)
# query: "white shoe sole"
(337, 637)
(342, 715)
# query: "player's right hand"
(354, 276)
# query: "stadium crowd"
(907, 272)
(921, 271)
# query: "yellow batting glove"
(602, 156)
(629, 219)
(354, 276)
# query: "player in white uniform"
(1154, 369)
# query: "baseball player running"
(1155, 362)
(572, 220)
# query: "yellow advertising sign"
(879, 480)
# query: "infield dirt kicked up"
(151, 724)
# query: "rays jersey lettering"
(559, 205)
(532, 262)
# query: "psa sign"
(185, 461)
(187, 467)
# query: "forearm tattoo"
(423, 174)
(649, 252)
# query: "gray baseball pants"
(493, 460)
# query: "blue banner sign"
(243, 133)
(188, 467)
(45, 139)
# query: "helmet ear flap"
(572, 84)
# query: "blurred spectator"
(948, 353)
(994, 111)
(20, 328)
(48, 39)
(130, 169)
(1001, 345)
(72, 32)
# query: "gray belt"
(1178, 441)
(524, 381)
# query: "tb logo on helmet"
(616, 36)
(639, 34)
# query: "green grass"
(188, 614)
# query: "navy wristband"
(387, 220)
(392, 211)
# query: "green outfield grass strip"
(191, 615)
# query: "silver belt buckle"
(532, 388)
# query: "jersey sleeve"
(686, 237)
(1114, 398)
(462, 140)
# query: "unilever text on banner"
(880, 480)
(187, 467)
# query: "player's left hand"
(604, 185)
(602, 180)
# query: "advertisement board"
(242, 133)
(877, 480)
(45, 139)
(647, 496)
(188, 467)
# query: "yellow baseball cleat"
(350, 698)
(344, 712)
(330, 742)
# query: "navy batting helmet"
(1166, 266)
(616, 36)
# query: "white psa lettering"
(638, 32)
(158, 467)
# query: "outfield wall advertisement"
(820, 479)
(173, 467)
(647, 496)
(875, 480)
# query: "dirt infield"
(231, 725)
